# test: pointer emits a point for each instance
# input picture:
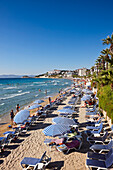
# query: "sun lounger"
(102, 148)
(91, 113)
(92, 139)
(91, 109)
(75, 144)
(94, 127)
(95, 132)
(93, 123)
(100, 156)
(4, 141)
(100, 164)
(54, 142)
(11, 135)
(35, 163)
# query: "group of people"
(12, 114)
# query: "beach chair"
(91, 109)
(92, 139)
(93, 123)
(10, 135)
(100, 148)
(100, 156)
(96, 127)
(107, 164)
(35, 163)
(2, 143)
(75, 144)
(95, 132)
(91, 113)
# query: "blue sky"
(41, 35)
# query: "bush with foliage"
(105, 95)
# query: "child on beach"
(17, 108)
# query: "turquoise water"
(23, 91)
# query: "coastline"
(5, 119)
(33, 146)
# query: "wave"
(19, 91)
(38, 82)
(6, 88)
(14, 95)
(2, 104)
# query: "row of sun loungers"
(27, 162)
(101, 142)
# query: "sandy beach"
(5, 120)
(32, 145)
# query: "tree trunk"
(112, 86)
(103, 64)
(106, 65)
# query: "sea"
(23, 91)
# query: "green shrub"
(105, 95)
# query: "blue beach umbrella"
(63, 121)
(73, 91)
(87, 91)
(66, 111)
(38, 101)
(67, 107)
(72, 101)
(86, 97)
(55, 130)
(63, 114)
(21, 116)
(34, 106)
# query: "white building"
(53, 72)
(82, 71)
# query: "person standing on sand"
(12, 116)
(46, 92)
(17, 108)
(49, 100)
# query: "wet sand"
(32, 145)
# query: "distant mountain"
(10, 76)
(15, 76)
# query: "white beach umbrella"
(55, 130)
(38, 101)
(64, 121)
(21, 116)
(69, 111)
(34, 106)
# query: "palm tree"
(99, 64)
(109, 41)
(102, 57)
(106, 53)
(92, 69)
(97, 67)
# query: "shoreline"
(33, 146)
(5, 119)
